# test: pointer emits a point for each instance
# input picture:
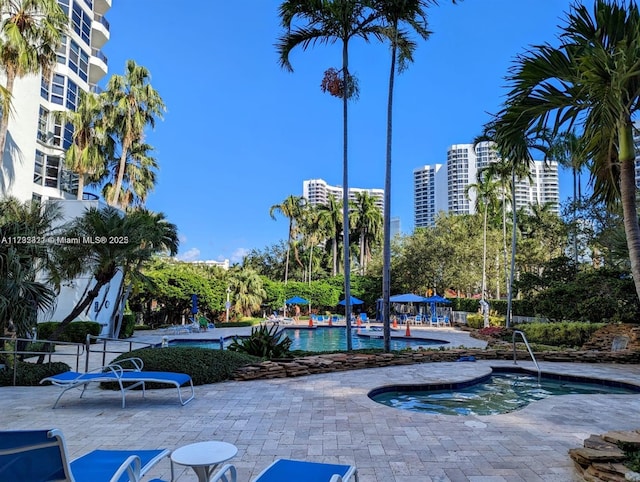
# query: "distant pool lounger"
(126, 378)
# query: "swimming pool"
(499, 392)
(329, 339)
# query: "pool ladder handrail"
(526, 343)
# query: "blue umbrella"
(354, 301)
(435, 299)
(408, 298)
(296, 300)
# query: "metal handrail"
(526, 343)
(47, 353)
(104, 350)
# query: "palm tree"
(567, 149)
(591, 78)
(248, 291)
(22, 293)
(367, 221)
(139, 176)
(486, 189)
(31, 32)
(292, 209)
(330, 220)
(327, 22)
(88, 153)
(138, 235)
(131, 104)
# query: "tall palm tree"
(367, 221)
(567, 149)
(31, 32)
(131, 104)
(486, 189)
(327, 22)
(330, 220)
(88, 153)
(592, 79)
(292, 209)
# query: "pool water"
(333, 339)
(327, 339)
(495, 394)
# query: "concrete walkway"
(329, 418)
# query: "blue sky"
(241, 134)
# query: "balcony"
(100, 33)
(97, 66)
(101, 6)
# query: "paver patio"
(329, 417)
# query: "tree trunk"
(80, 187)
(4, 121)
(91, 295)
(121, 167)
(484, 252)
(386, 221)
(345, 193)
(513, 249)
(628, 197)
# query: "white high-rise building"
(317, 191)
(33, 165)
(433, 193)
(429, 194)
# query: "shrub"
(264, 342)
(128, 325)
(565, 334)
(75, 331)
(30, 374)
(476, 320)
(202, 364)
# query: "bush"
(128, 325)
(564, 334)
(75, 331)
(476, 320)
(30, 374)
(264, 342)
(202, 364)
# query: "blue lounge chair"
(127, 379)
(363, 318)
(298, 470)
(41, 456)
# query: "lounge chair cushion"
(298, 470)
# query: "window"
(64, 5)
(61, 53)
(81, 23)
(44, 88)
(68, 136)
(38, 168)
(56, 139)
(89, 3)
(68, 181)
(78, 61)
(52, 171)
(72, 94)
(43, 119)
(57, 89)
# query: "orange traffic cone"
(358, 321)
(311, 322)
(408, 332)
(395, 322)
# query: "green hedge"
(30, 374)
(475, 320)
(75, 331)
(563, 334)
(128, 325)
(202, 364)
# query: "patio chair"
(363, 318)
(41, 456)
(418, 320)
(299, 470)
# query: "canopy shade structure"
(408, 298)
(297, 300)
(354, 301)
